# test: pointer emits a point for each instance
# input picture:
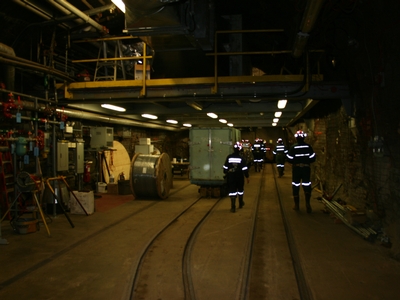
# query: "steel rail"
(186, 266)
(303, 287)
(78, 243)
(135, 280)
(244, 291)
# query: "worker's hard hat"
(300, 134)
(238, 146)
(279, 140)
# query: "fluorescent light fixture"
(113, 107)
(187, 125)
(212, 115)
(172, 121)
(120, 4)
(148, 116)
(230, 124)
(282, 103)
(223, 121)
(195, 105)
(274, 124)
(275, 120)
(278, 114)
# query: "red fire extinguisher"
(86, 173)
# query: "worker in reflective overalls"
(301, 155)
(258, 150)
(236, 169)
(280, 156)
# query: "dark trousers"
(235, 184)
(301, 176)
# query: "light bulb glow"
(282, 103)
(149, 116)
(120, 4)
(113, 107)
(212, 115)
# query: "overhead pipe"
(8, 73)
(81, 15)
(310, 16)
(80, 114)
(33, 8)
(114, 120)
(28, 64)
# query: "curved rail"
(149, 248)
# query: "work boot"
(296, 203)
(241, 202)
(308, 206)
(233, 205)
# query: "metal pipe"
(80, 14)
(35, 119)
(25, 95)
(9, 71)
(307, 24)
(20, 62)
(33, 8)
(79, 114)
(121, 121)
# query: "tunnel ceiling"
(180, 37)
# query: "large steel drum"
(151, 175)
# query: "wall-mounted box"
(79, 157)
(144, 141)
(144, 149)
(101, 137)
(62, 156)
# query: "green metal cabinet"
(209, 148)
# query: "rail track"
(197, 249)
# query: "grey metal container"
(209, 148)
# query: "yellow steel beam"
(111, 59)
(190, 81)
(114, 38)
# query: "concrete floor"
(90, 261)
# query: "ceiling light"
(148, 116)
(113, 107)
(187, 125)
(212, 115)
(278, 114)
(282, 103)
(223, 121)
(120, 4)
(273, 124)
(230, 124)
(275, 120)
(172, 121)
(195, 105)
